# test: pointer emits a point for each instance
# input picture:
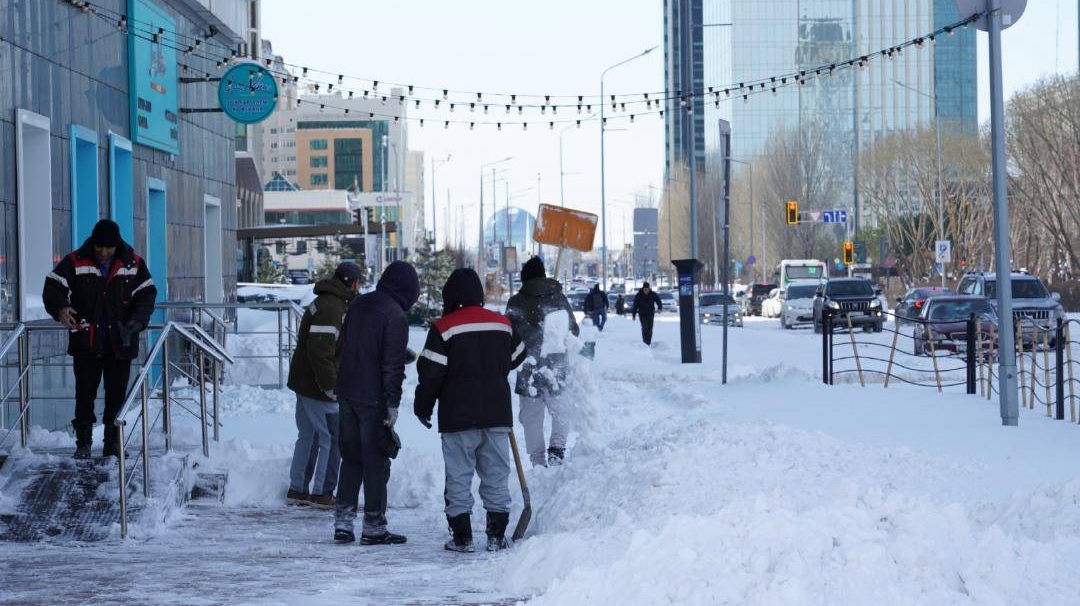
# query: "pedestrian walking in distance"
(646, 304)
(103, 293)
(596, 306)
(543, 317)
(464, 366)
(620, 305)
(372, 368)
(313, 377)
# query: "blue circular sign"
(751, 260)
(248, 93)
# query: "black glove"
(128, 330)
(134, 326)
(410, 356)
(426, 421)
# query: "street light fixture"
(434, 234)
(940, 186)
(603, 204)
(480, 265)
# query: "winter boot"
(387, 538)
(344, 535)
(111, 445)
(556, 456)
(322, 501)
(496, 530)
(461, 531)
(83, 440)
(297, 497)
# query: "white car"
(798, 307)
(773, 306)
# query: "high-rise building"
(737, 41)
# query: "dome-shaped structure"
(521, 226)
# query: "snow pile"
(698, 511)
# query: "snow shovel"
(526, 510)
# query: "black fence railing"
(954, 355)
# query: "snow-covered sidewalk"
(772, 489)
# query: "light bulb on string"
(410, 89)
(445, 93)
(524, 126)
(375, 85)
(551, 126)
(472, 125)
(446, 124)
(498, 126)
(520, 110)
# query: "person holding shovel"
(464, 366)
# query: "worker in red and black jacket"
(464, 365)
(104, 295)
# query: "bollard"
(825, 371)
(970, 343)
(1059, 360)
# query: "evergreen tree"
(332, 257)
(433, 268)
(267, 272)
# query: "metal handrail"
(205, 346)
(17, 332)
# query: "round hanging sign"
(247, 93)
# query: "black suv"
(848, 299)
(1031, 302)
(754, 296)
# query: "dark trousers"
(362, 462)
(599, 318)
(646, 328)
(88, 374)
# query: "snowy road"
(772, 489)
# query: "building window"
(319, 179)
(319, 144)
(301, 247)
(273, 145)
(279, 247)
(348, 163)
(320, 161)
(273, 131)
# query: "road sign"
(834, 216)
(943, 251)
(1011, 10)
(751, 260)
(813, 214)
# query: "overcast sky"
(556, 46)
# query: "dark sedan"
(910, 305)
(942, 324)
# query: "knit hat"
(645, 285)
(533, 268)
(106, 233)
(349, 272)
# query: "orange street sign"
(565, 227)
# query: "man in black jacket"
(313, 376)
(104, 295)
(468, 355)
(596, 306)
(372, 368)
(543, 317)
(646, 303)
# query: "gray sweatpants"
(485, 452)
(531, 416)
(313, 441)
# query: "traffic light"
(849, 252)
(792, 212)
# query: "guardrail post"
(119, 426)
(280, 365)
(166, 409)
(25, 375)
(215, 370)
(971, 347)
(825, 370)
(146, 439)
(202, 403)
(1059, 360)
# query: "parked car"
(754, 297)
(1033, 306)
(909, 306)
(848, 299)
(942, 323)
(799, 303)
(298, 276)
(711, 307)
(669, 300)
(577, 300)
(772, 306)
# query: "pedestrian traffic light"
(792, 212)
(849, 252)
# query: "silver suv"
(1031, 302)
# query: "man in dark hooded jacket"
(104, 295)
(466, 359)
(313, 376)
(373, 356)
(646, 304)
(596, 306)
(544, 319)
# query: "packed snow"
(677, 489)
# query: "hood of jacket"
(462, 289)
(399, 280)
(335, 287)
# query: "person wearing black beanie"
(538, 311)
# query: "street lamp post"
(761, 219)
(480, 269)
(603, 204)
(940, 186)
(434, 234)
(382, 206)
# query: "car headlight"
(875, 303)
(832, 305)
(705, 315)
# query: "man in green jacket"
(312, 375)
